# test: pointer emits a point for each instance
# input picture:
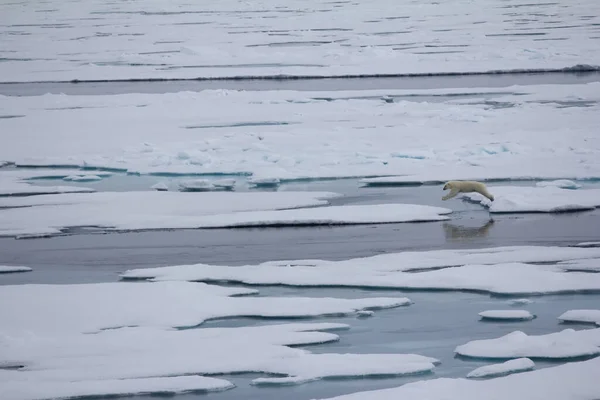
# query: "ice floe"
(587, 316)
(496, 270)
(83, 178)
(519, 199)
(160, 186)
(201, 185)
(506, 315)
(565, 344)
(505, 368)
(276, 136)
(15, 388)
(6, 269)
(88, 307)
(93, 334)
(298, 39)
(139, 210)
(571, 381)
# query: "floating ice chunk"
(83, 178)
(519, 199)
(163, 304)
(201, 185)
(224, 183)
(13, 388)
(139, 210)
(570, 381)
(5, 269)
(588, 316)
(506, 315)
(351, 365)
(160, 186)
(560, 183)
(519, 302)
(505, 368)
(132, 352)
(365, 314)
(13, 185)
(502, 275)
(560, 345)
(264, 182)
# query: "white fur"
(457, 187)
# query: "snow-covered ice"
(495, 270)
(506, 315)
(591, 316)
(271, 136)
(94, 334)
(505, 368)
(83, 178)
(6, 269)
(231, 38)
(571, 381)
(10, 186)
(160, 186)
(565, 344)
(560, 183)
(132, 353)
(14, 388)
(522, 199)
(140, 210)
(195, 185)
(90, 307)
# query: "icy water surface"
(433, 326)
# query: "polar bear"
(457, 187)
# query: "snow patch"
(506, 315)
(505, 368)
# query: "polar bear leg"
(453, 192)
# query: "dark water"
(327, 84)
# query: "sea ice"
(560, 183)
(559, 345)
(200, 185)
(592, 316)
(571, 381)
(495, 270)
(160, 186)
(584, 265)
(519, 199)
(132, 353)
(588, 244)
(14, 388)
(505, 368)
(5, 269)
(271, 136)
(301, 39)
(506, 315)
(140, 210)
(83, 178)
(90, 307)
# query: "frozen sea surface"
(97, 40)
